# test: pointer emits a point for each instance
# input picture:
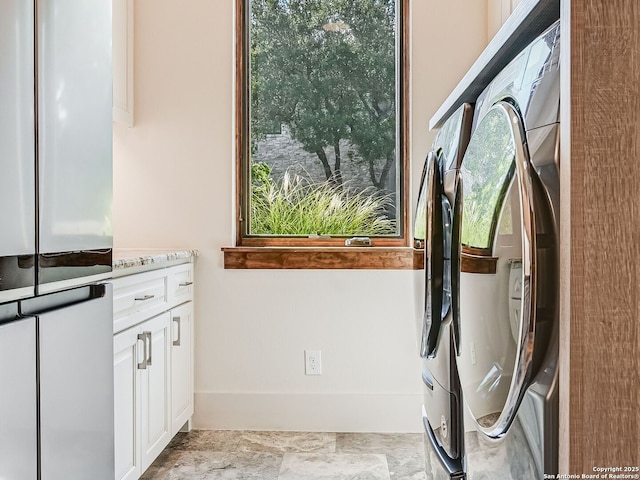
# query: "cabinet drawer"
(180, 283)
(138, 297)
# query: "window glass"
(486, 170)
(323, 119)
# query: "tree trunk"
(384, 175)
(337, 171)
(325, 164)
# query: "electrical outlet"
(312, 362)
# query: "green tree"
(327, 69)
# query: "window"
(321, 122)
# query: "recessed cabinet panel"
(154, 383)
(126, 353)
(139, 297)
(180, 284)
(181, 366)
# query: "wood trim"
(600, 276)
(311, 258)
(241, 122)
(240, 112)
(405, 108)
(478, 264)
(475, 251)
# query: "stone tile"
(203, 465)
(212, 440)
(387, 443)
(407, 467)
(160, 468)
(282, 442)
(508, 459)
(318, 466)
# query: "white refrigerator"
(56, 373)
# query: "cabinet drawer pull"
(142, 299)
(149, 358)
(185, 284)
(142, 337)
(176, 343)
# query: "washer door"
(498, 270)
(435, 308)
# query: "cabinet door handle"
(185, 284)
(142, 299)
(176, 343)
(142, 337)
(148, 335)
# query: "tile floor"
(244, 455)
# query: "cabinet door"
(181, 366)
(154, 382)
(128, 353)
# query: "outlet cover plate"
(312, 362)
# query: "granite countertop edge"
(131, 258)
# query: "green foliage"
(487, 171)
(327, 69)
(260, 174)
(297, 207)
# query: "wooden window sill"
(485, 265)
(323, 258)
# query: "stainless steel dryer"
(507, 321)
(442, 409)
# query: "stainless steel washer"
(442, 409)
(507, 321)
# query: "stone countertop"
(148, 259)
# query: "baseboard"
(399, 413)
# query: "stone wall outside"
(281, 152)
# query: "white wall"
(497, 13)
(173, 175)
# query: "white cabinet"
(142, 381)
(181, 366)
(153, 364)
(155, 388)
(126, 357)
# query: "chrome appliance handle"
(524, 361)
(427, 379)
(456, 251)
(176, 343)
(434, 257)
(142, 337)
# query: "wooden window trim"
(486, 265)
(323, 258)
(241, 122)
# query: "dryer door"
(434, 256)
(502, 206)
